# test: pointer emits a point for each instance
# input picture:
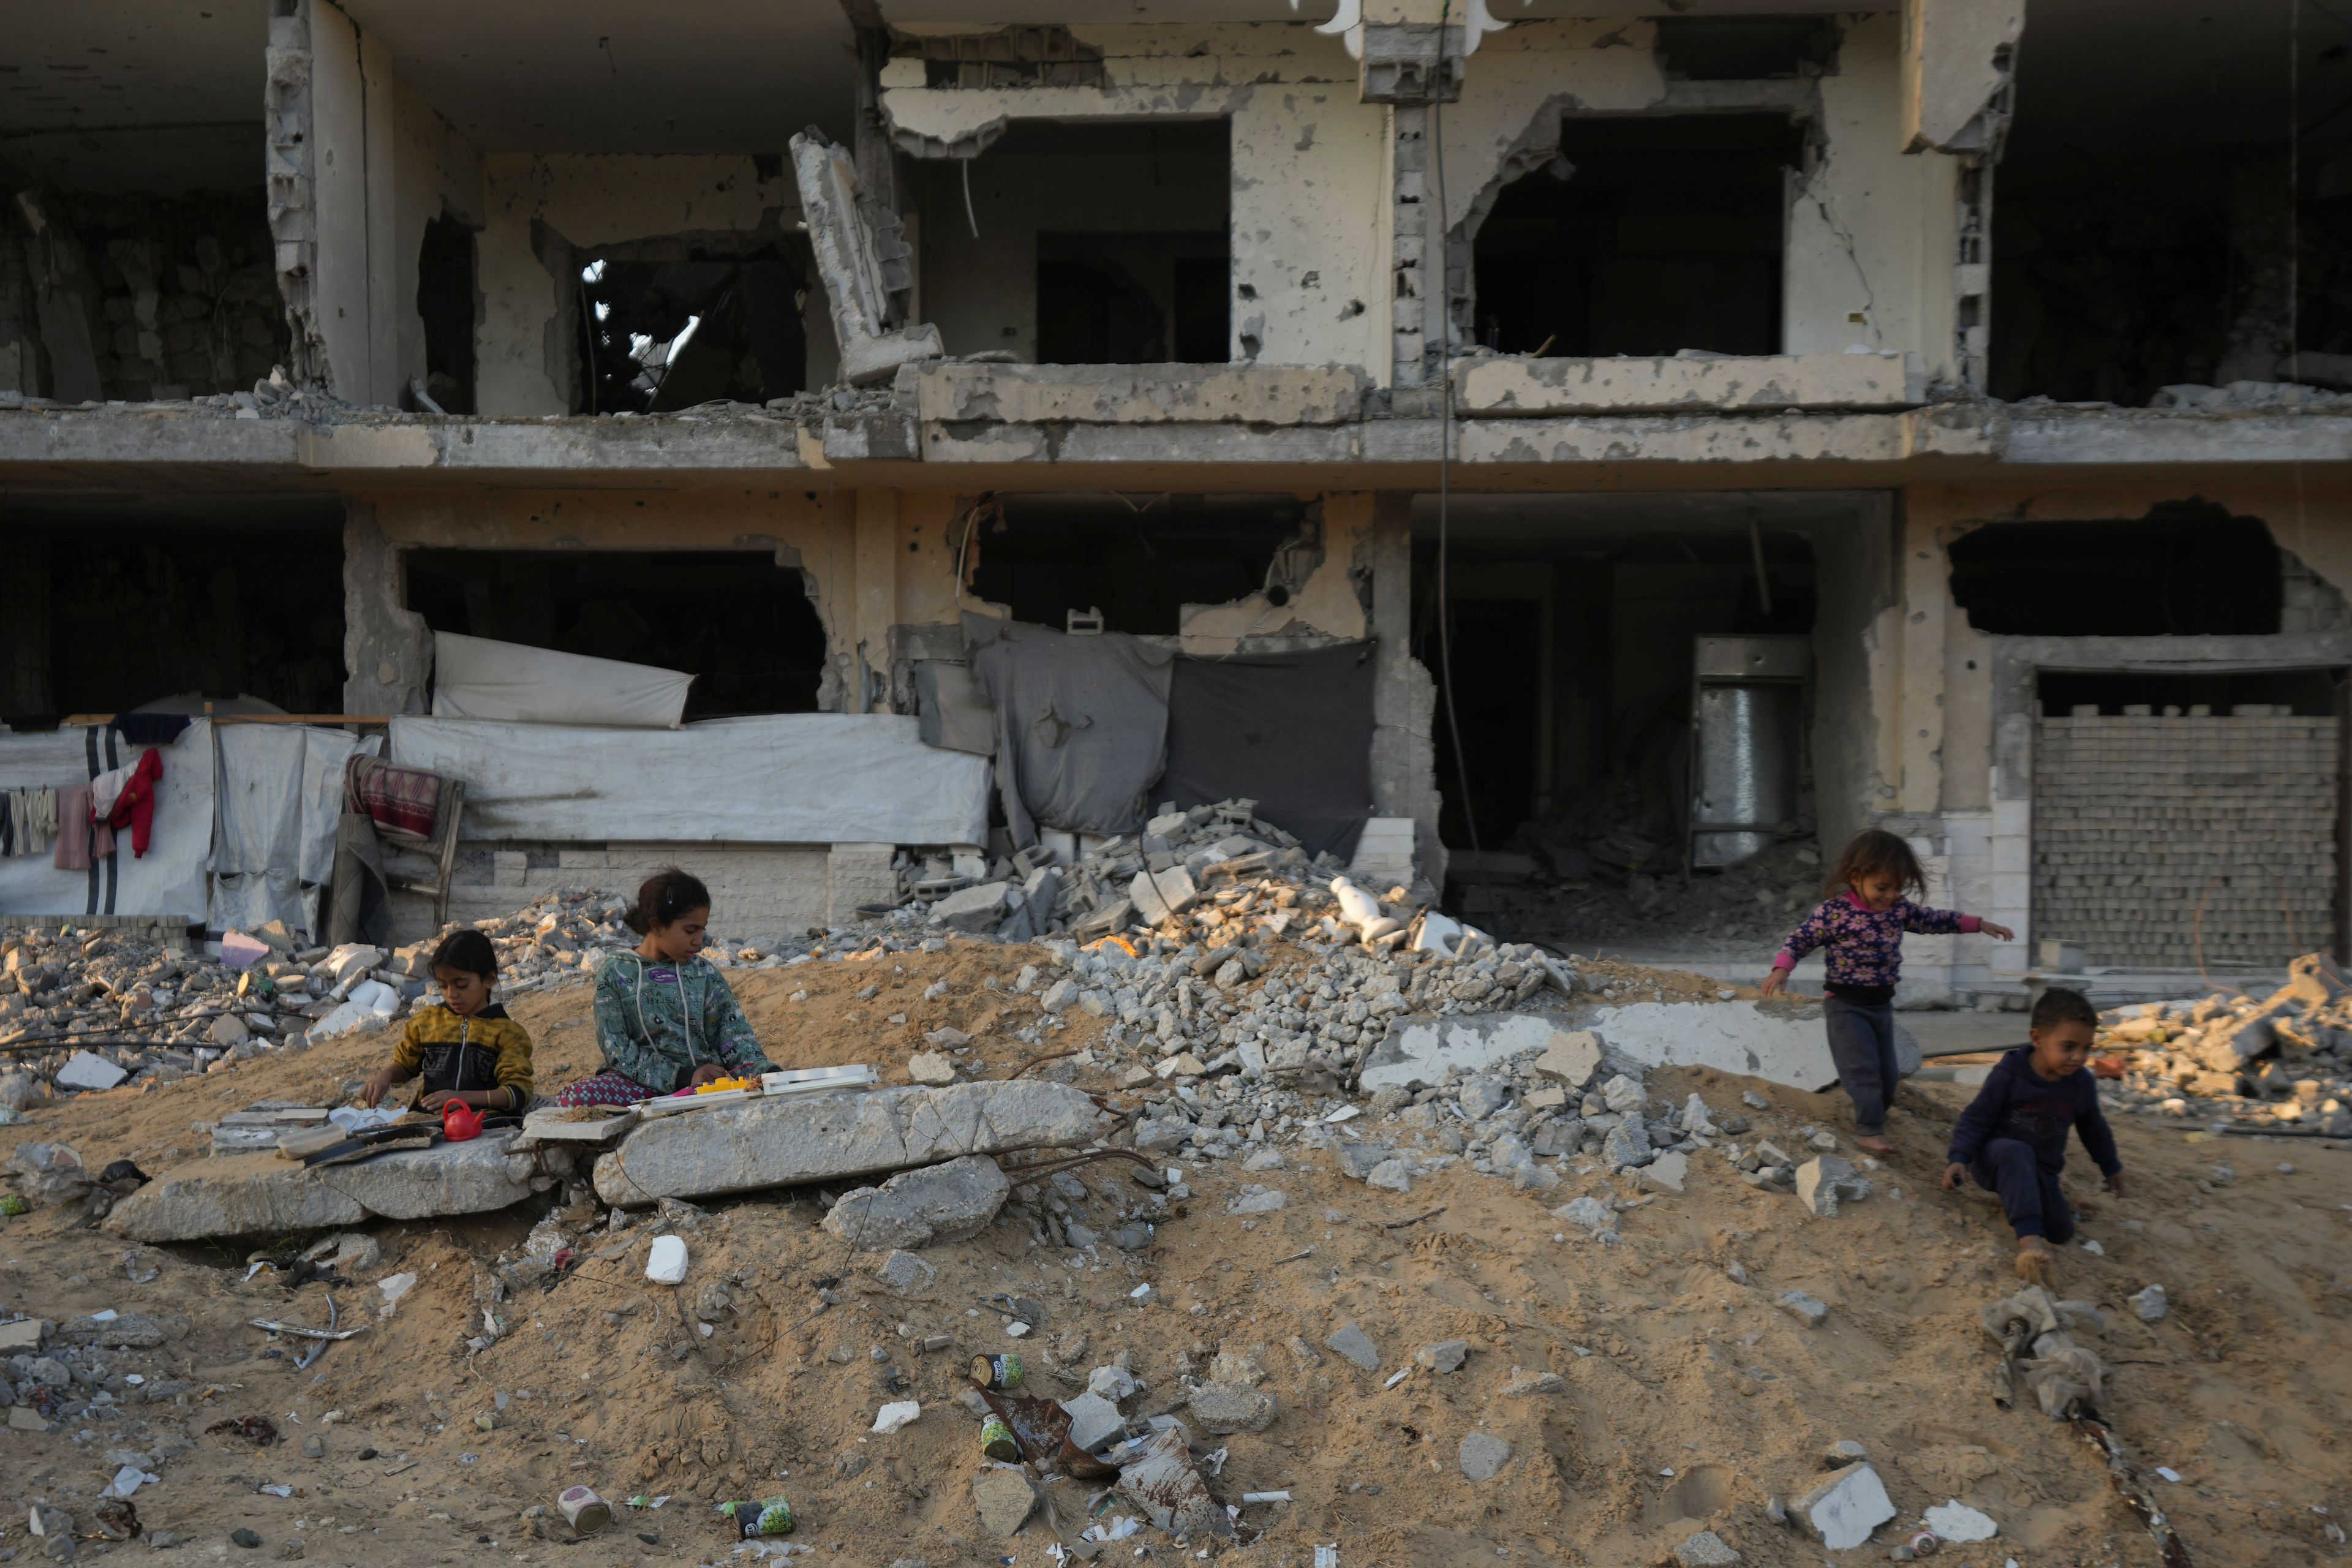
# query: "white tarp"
(279, 802)
(787, 778)
(475, 678)
(170, 881)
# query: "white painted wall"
(1309, 198)
(1874, 233)
(590, 199)
(339, 150)
(385, 164)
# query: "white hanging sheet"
(475, 678)
(279, 801)
(169, 881)
(785, 778)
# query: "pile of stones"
(2286, 1059)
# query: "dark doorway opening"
(1132, 298)
(740, 623)
(2186, 568)
(1572, 651)
(666, 334)
(446, 302)
(106, 606)
(1643, 236)
(1139, 562)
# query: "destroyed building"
(1619, 440)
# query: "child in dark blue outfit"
(2012, 1139)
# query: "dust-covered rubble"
(2282, 1063)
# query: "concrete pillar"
(1412, 248)
(387, 647)
(1927, 574)
(1404, 697)
(878, 598)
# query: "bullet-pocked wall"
(1307, 196)
(1956, 693)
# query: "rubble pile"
(187, 1010)
(2286, 1060)
(1579, 894)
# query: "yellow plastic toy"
(720, 1085)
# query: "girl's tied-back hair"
(665, 897)
(1874, 852)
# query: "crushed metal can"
(769, 1516)
(998, 1372)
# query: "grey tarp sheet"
(1290, 731)
(277, 799)
(1082, 724)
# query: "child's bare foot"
(2035, 1262)
(1872, 1144)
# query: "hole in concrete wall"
(2310, 693)
(1573, 631)
(1644, 237)
(743, 624)
(108, 605)
(2142, 218)
(445, 300)
(1744, 48)
(670, 333)
(1104, 243)
(2187, 568)
(1140, 561)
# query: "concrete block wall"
(2141, 821)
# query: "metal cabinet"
(1747, 738)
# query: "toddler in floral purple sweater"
(1861, 924)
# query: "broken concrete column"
(1959, 59)
(778, 1143)
(292, 202)
(850, 260)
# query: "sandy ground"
(1687, 1398)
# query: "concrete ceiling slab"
(117, 95)
(602, 76)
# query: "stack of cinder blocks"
(2143, 820)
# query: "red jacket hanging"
(135, 807)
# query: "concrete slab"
(1142, 393)
(1782, 1041)
(1662, 386)
(762, 1144)
(252, 1194)
(1420, 1051)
